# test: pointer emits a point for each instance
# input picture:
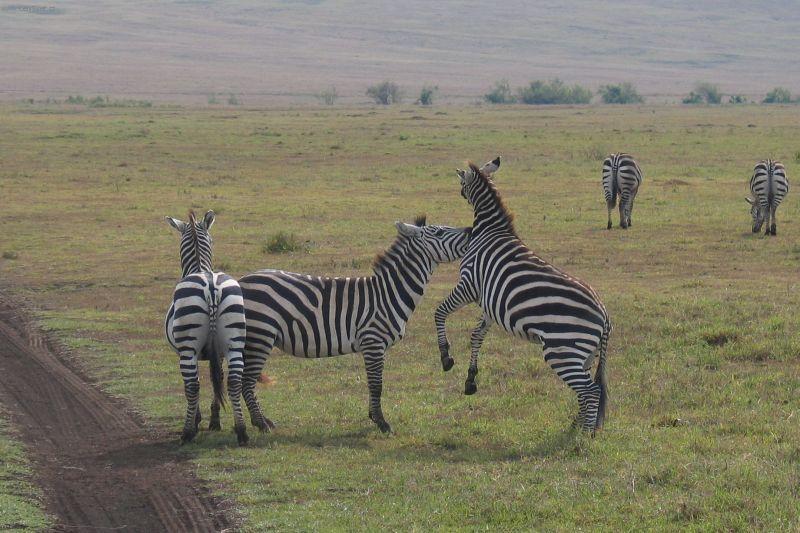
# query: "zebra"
(528, 298)
(312, 316)
(206, 321)
(621, 177)
(768, 186)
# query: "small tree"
(385, 93)
(554, 91)
(778, 95)
(501, 94)
(233, 100)
(328, 96)
(704, 92)
(737, 99)
(426, 95)
(621, 93)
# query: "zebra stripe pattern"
(312, 316)
(528, 298)
(621, 178)
(206, 321)
(768, 185)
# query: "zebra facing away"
(621, 177)
(206, 321)
(768, 186)
(311, 316)
(528, 298)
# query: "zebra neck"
(401, 280)
(194, 267)
(490, 212)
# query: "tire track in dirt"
(100, 467)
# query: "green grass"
(703, 362)
(20, 504)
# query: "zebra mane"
(195, 239)
(382, 259)
(495, 196)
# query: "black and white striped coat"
(621, 178)
(528, 298)
(769, 186)
(314, 316)
(206, 321)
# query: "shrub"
(426, 95)
(554, 91)
(328, 96)
(778, 95)
(385, 93)
(281, 243)
(737, 99)
(233, 100)
(212, 99)
(704, 92)
(621, 93)
(501, 94)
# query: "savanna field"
(703, 430)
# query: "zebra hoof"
(447, 363)
(470, 388)
(214, 425)
(187, 436)
(264, 424)
(773, 230)
(609, 226)
(241, 436)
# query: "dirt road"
(99, 466)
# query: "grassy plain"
(20, 507)
(703, 430)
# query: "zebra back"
(769, 183)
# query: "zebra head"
(441, 244)
(196, 242)
(757, 213)
(469, 178)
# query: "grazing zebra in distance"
(312, 316)
(768, 185)
(621, 177)
(528, 298)
(206, 321)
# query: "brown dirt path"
(99, 466)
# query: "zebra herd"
(214, 317)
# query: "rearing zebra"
(768, 185)
(312, 316)
(206, 321)
(621, 177)
(528, 298)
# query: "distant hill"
(289, 50)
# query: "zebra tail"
(600, 377)
(215, 355)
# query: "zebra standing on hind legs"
(621, 178)
(768, 186)
(206, 321)
(313, 316)
(528, 298)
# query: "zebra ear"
(177, 224)
(491, 167)
(208, 219)
(748, 200)
(407, 230)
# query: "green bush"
(704, 93)
(778, 95)
(621, 93)
(281, 243)
(737, 99)
(501, 94)
(554, 91)
(426, 95)
(385, 93)
(328, 96)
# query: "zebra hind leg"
(476, 340)
(373, 361)
(235, 369)
(568, 363)
(191, 388)
(214, 424)
(253, 365)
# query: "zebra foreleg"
(773, 227)
(214, 424)
(253, 365)
(457, 299)
(476, 340)
(610, 206)
(568, 362)
(191, 388)
(373, 361)
(623, 222)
